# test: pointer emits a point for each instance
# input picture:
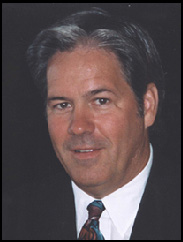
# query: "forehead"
(83, 66)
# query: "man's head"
(101, 83)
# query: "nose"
(81, 122)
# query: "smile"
(84, 151)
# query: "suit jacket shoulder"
(43, 211)
(158, 217)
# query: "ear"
(150, 104)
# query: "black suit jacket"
(45, 211)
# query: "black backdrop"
(27, 151)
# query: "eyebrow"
(57, 98)
(96, 91)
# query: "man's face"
(93, 120)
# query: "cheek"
(120, 128)
(113, 126)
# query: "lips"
(84, 151)
(87, 153)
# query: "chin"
(89, 181)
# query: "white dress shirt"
(117, 220)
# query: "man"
(101, 80)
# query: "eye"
(102, 101)
(62, 106)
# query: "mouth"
(86, 153)
(83, 151)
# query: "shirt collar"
(121, 205)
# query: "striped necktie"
(90, 230)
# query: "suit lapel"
(58, 212)
(65, 225)
(149, 222)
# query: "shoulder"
(158, 217)
(166, 173)
(38, 191)
(32, 211)
(163, 193)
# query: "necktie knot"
(90, 231)
(95, 209)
